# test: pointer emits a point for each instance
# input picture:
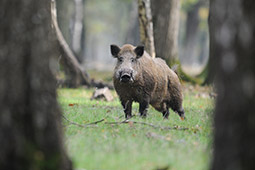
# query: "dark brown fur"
(151, 82)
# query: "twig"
(122, 122)
(116, 123)
(83, 125)
(148, 124)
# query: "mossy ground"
(129, 146)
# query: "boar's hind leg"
(165, 110)
(127, 105)
(165, 114)
(143, 108)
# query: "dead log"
(103, 93)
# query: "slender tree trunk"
(211, 66)
(165, 16)
(77, 29)
(75, 74)
(146, 26)
(133, 35)
(30, 128)
(191, 35)
(232, 29)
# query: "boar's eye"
(132, 60)
(120, 59)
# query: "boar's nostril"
(125, 77)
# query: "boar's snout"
(126, 76)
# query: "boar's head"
(126, 68)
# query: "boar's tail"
(175, 68)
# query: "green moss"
(182, 75)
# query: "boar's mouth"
(125, 78)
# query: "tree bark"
(191, 33)
(165, 17)
(146, 26)
(77, 30)
(232, 29)
(211, 66)
(75, 74)
(30, 122)
(133, 35)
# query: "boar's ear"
(115, 50)
(139, 50)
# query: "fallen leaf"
(73, 104)
(131, 124)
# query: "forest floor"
(140, 144)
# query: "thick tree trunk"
(75, 74)
(232, 29)
(30, 128)
(146, 26)
(165, 17)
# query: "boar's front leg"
(127, 106)
(143, 108)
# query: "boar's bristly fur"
(146, 80)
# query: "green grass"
(127, 146)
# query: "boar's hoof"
(128, 116)
(182, 115)
(165, 117)
(143, 115)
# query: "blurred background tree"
(30, 119)
(108, 22)
(232, 33)
(165, 19)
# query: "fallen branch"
(83, 125)
(116, 123)
(123, 122)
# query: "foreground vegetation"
(134, 145)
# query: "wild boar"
(146, 80)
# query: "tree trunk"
(211, 66)
(146, 26)
(133, 35)
(75, 75)
(232, 29)
(30, 126)
(77, 29)
(191, 36)
(165, 17)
